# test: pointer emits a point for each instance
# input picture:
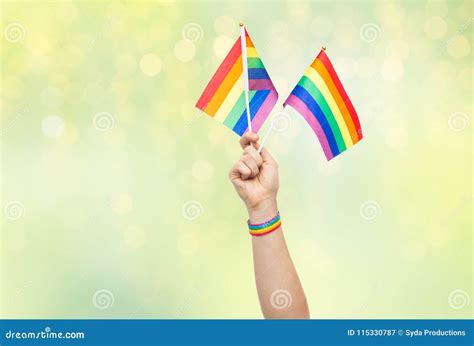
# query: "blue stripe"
(258, 73)
(308, 100)
(255, 105)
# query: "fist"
(254, 175)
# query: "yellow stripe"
(263, 230)
(230, 100)
(252, 52)
(323, 88)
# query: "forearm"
(279, 289)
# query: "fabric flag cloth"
(224, 96)
(321, 99)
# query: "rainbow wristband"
(259, 229)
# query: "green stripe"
(238, 109)
(257, 228)
(313, 90)
(254, 63)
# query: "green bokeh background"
(115, 197)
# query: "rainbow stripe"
(321, 99)
(224, 96)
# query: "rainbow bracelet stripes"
(266, 227)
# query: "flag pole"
(270, 129)
(243, 43)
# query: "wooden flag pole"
(243, 43)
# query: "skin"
(255, 178)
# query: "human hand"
(255, 178)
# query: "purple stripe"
(264, 111)
(299, 106)
(260, 84)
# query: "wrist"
(263, 211)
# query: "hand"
(255, 178)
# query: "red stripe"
(219, 76)
(274, 228)
(327, 63)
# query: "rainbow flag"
(321, 99)
(224, 97)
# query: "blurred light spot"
(184, 50)
(414, 251)
(222, 46)
(345, 67)
(52, 97)
(436, 27)
(187, 109)
(321, 26)
(116, 139)
(458, 46)
(436, 8)
(366, 67)
(66, 11)
(396, 137)
(328, 168)
(134, 237)
(150, 65)
(121, 203)
(12, 87)
(188, 243)
(392, 70)
(69, 135)
(52, 126)
(298, 11)
(397, 49)
(226, 26)
(73, 219)
(71, 56)
(216, 135)
(202, 170)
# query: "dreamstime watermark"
(369, 210)
(281, 122)
(281, 299)
(192, 32)
(370, 32)
(191, 210)
(103, 299)
(104, 121)
(458, 299)
(44, 334)
(14, 32)
(14, 210)
(458, 121)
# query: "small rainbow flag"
(321, 99)
(241, 82)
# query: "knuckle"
(248, 149)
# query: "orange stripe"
(319, 67)
(249, 41)
(225, 88)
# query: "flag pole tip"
(323, 48)
(241, 24)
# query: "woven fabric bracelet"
(259, 229)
